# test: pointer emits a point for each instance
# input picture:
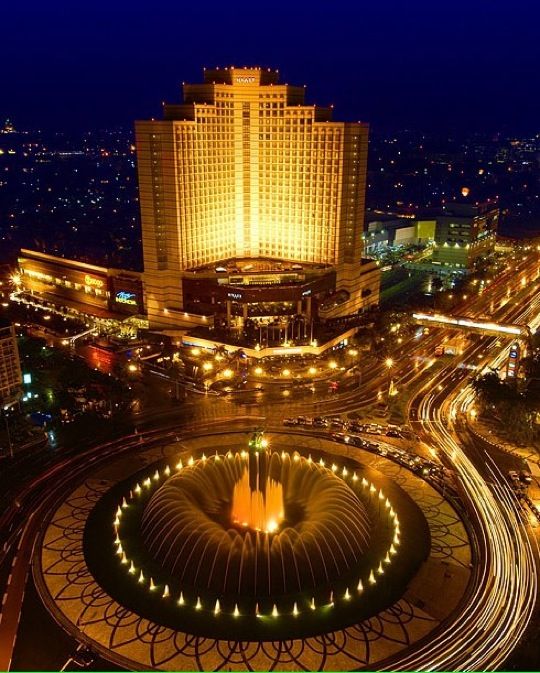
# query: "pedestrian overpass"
(473, 325)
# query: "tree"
(437, 283)
(515, 410)
(490, 389)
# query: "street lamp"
(389, 364)
(16, 280)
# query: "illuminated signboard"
(245, 80)
(93, 282)
(513, 359)
(124, 297)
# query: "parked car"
(335, 421)
(355, 427)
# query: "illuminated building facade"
(252, 204)
(80, 287)
(465, 233)
(10, 368)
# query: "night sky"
(440, 65)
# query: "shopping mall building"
(99, 293)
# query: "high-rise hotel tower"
(252, 204)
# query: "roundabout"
(283, 551)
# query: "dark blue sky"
(443, 64)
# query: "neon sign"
(124, 297)
(93, 282)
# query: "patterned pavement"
(89, 613)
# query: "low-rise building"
(390, 231)
(461, 233)
(10, 367)
(465, 233)
(79, 287)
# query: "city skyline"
(456, 67)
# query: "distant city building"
(252, 205)
(80, 288)
(461, 233)
(383, 231)
(8, 127)
(10, 368)
(464, 233)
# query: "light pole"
(389, 364)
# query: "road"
(496, 615)
(415, 360)
(504, 590)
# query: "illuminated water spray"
(257, 498)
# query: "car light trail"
(500, 607)
(498, 611)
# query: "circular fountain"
(267, 541)
(255, 524)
